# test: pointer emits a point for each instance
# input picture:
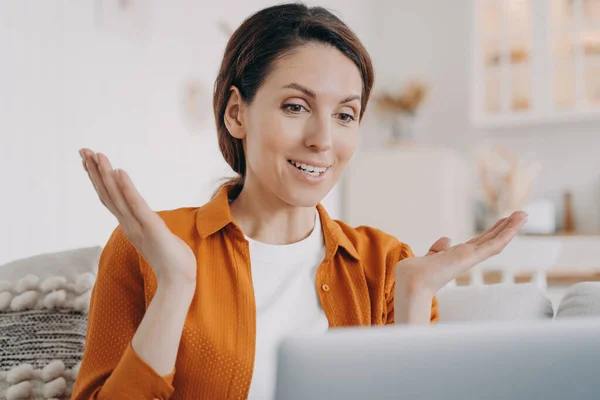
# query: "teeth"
(309, 168)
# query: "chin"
(300, 195)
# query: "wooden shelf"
(557, 235)
(561, 235)
(558, 277)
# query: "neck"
(265, 218)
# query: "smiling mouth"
(309, 169)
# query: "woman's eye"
(294, 108)
(346, 117)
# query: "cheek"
(269, 137)
(275, 134)
(345, 146)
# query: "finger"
(136, 202)
(516, 216)
(98, 182)
(493, 233)
(110, 181)
(441, 244)
(495, 245)
(476, 238)
(488, 232)
(519, 218)
(87, 155)
(83, 162)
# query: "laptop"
(495, 360)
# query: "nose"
(318, 133)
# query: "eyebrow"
(313, 95)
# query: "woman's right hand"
(171, 258)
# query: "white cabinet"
(417, 194)
(535, 61)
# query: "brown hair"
(262, 39)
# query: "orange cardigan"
(355, 284)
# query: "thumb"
(441, 244)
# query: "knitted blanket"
(43, 325)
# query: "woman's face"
(302, 127)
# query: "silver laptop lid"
(497, 360)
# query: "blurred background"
(480, 108)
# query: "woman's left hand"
(443, 263)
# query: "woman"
(191, 303)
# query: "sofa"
(44, 301)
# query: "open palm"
(170, 257)
(443, 263)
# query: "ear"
(234, 114)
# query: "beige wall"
(69, 80)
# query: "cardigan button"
(325, 287)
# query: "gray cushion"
(501, 302)
(68, 263)
(580, 300)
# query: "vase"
(401, 129)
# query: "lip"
(313, 163)
(309, 178)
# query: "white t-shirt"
(284, 279)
